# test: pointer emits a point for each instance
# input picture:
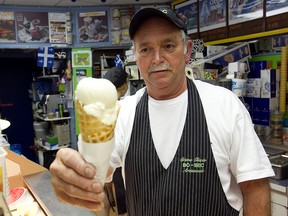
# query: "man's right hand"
(73, 182)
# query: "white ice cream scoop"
(98, 97)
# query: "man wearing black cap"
(119, 78)
(186, 147)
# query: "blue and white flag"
(45, 57)
(118, 61)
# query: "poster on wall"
(32, 27)
(244, 10)
(188, 12)
(120, 21)
(57, 28)
(212, 14)
(93, 27)
(7, 27)
(81, 58)
(276, 7)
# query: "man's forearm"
(257, 198)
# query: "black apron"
(190, 186)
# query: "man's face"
(159, 51)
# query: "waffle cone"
(91, 127)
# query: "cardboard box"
(257, 66)
(237, 52)
(265, 104)
(265, 44)
(233, 53)
(253, 88)
(260, 109)
(279, 41)
(255, 82)
(251, 91)
(214, 49)
(268, 89)
(27, 167)
(261, 117)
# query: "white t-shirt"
(169, 116)
(238, 152)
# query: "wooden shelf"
(53, 119)
(52, 147)
(48, 77)
(248, 37)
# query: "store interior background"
(19, 61)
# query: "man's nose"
(158, 56)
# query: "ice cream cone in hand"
(92, 129)
(97, 109)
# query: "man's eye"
(169, 46)
(145, 50)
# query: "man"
(119, 78)
(186, 147)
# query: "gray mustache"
(159, 67)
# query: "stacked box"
(270, 79)
(266, 44)
(262, 91)
(215, 49)
(257, 66)
(268, 87)
(261, 108)
(238, 52)
(253, 87)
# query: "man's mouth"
(159, 68)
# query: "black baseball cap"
(116, 75)
(146, 13)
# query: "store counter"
(19, 166)
(37, 179)
(279, 196)
(23, 172)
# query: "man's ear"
(188, 52)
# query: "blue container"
(16, 148)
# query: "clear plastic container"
(276, 125)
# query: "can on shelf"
(61, 110)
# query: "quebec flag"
(118, 62)
(45, 57)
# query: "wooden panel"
(277, 22)
(245, 28)
(194, 36)
(215, 34)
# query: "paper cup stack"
(238, 86)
